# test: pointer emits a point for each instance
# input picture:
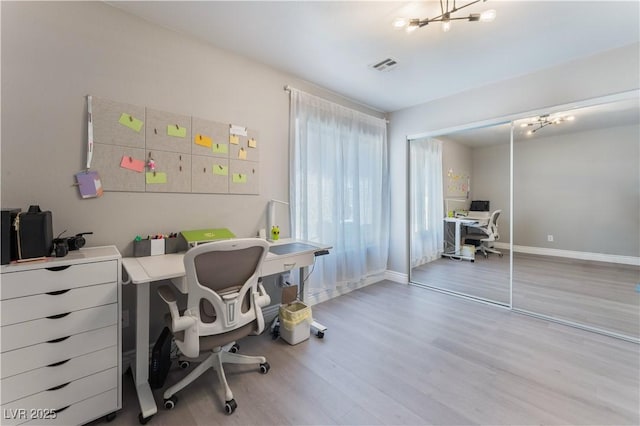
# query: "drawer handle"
(58, 387)
(60, 410)
(59, 292)
(55, 364)
(289, 266)
(58, 340)
(58, 268)
(58, 316)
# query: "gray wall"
(582, 188)
(491, 181)
(56, 53)
(611, 72)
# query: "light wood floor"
(404, 355)
(597, 294)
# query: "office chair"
(486, 235)
(224, 301)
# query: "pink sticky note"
(132, 164)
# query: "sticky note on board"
(131, 122)
(252, 143)
(220, 148)
(239, 178)
(176, 131)
(234, 129)
(220, 170)
(234, 139)
(157, 177)
(131, 163)
(242, 154)
(202, 140)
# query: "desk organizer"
(155, 247)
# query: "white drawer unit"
(60, 353)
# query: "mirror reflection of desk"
(458, 221)
(284, 255)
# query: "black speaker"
(8, 249)
(160, 360)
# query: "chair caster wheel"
(230, 406)
(276, 332)
(235, 348)
(144, 420)
(110, 417)
(170, 403)
(320, 334)
(265, 367)
(184, 364)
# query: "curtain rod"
(288, 88)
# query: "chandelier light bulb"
(488, 15)
(400, 23)
(446, 26)
(570, 118)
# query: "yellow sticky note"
(239, 178)
(220, 148)
(202, 140)
(157, 177)
(234, 139)
(220, 170)
(252, 143)
(130, 122)
(242, 154)
(177, 131)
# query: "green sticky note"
(220, 148)
(220, 170)
(130, 122)
(177, 131)
(239, 178)
(156, 177)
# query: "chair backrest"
(222, 283)
(493, 225)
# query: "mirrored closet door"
(459, 183)
(576, 231)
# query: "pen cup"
(142, 248)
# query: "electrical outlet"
(550, 238)
(125, 318)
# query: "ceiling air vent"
(385, 65)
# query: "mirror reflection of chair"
(224, 301)
(487, 235)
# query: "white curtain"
(426, 200)
(339, 188)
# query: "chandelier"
(446, 16)
(545, 120)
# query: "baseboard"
(570, 254)
(396, 277)
(327, 294)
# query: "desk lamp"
(271, 215)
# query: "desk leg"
(316, 328)
(457, 242)
(141, 372)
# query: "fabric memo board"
(139, 149)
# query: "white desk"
(458, 222)
(141, 271)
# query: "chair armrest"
(178, 322)
(262, 297)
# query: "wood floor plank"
(404, 355)
(596, 294)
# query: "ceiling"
(333, 43)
